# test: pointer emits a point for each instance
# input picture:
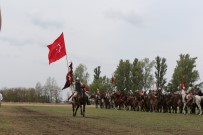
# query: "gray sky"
(97, 33)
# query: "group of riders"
(151, 101)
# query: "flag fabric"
(71, 73)
(69, 77)
(182, 85)
(113, 79)
(57, 49)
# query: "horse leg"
(84, 110)
(76, 110)
(96, 103)
(73, 108)
(80, 110)
(199, 106)
(184, 108)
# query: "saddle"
(188, 97)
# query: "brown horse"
(99, 99)
(80, 101)
(153, 102)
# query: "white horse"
(198, 100)
(185, 97)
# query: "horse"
(107, 100)
(198, 100)
(113, 100)
(175, 102)
(186, 99)
(152, 101)
(80, 101)
(99, 99)
(130, 102)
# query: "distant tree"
(20, 95)
(148, 79)
(97, 72)
(52, 90)
(39, 91)
(81, 72)
(123, 75)
(185, 70)
(160, 71)
(136, 75)
(31, 94)
(102, 83)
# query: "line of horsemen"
(152, 101)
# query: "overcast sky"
(97, 33)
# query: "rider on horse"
(190, 92)
(79, 89)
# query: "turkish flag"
(57, 49)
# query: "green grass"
(97, 121)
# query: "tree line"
(47, 93)
(140, 74)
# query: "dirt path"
(24, 121)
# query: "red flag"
(69, 77)
(113, 79)
(182, 85)
(57, 49)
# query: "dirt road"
(18, 119)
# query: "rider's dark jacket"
(78, 87)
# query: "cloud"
(16, 42)
(21, 41)
(45, 22)
(130, 17)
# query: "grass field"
(47, 119)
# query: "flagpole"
(67, 60)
